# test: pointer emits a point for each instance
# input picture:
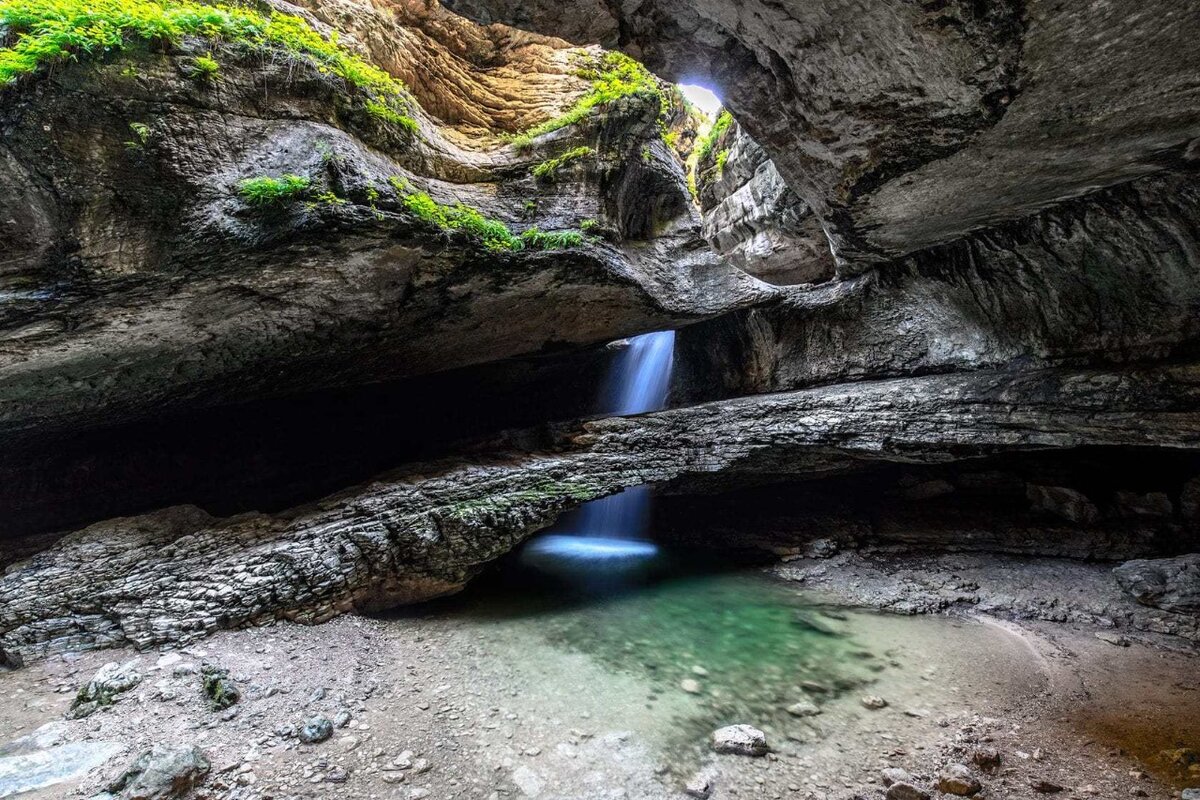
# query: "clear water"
(752, 645)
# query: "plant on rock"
(613, 76)
(494, 234)
(546, 170)
(42, 32)
(267, 191)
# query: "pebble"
(873, 702)
(1045, 787)
(957, 779)
(690, 685)
(740, 740)
(1191, 794)
(699, 786)
(986, 758)
(804, 708)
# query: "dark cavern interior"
(610, 400)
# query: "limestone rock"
(101, 691)
(162, 773)
(1172, 584)
(740, 740)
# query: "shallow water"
(744, 645)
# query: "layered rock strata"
(179, 574)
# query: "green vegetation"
(709, 140)
(722, 157)
(204, 68)
(589, 225)
(49, 31)
(546, 169)
(267, 191)
(494, 234)
(142, 133)
(385, 113)
(613, 76)
(560, 240)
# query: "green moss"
(494, 234)
(385, 113)
(704, 148)
(589, 225)
(612, 76)
(218, 688)
(546, 169)
(43, 32)
(268, 191)
(540, 493)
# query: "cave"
(501, 399)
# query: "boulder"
(906, 791)
(162, 773)
(1171, 584)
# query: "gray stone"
(873, 702)
(1171, 584)
(1190, 794)
(804, 708)
(162, 772)
(895, 775)
(740, 740)
(315, 730)
(101, 691)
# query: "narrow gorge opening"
(497, 399)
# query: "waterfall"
(638, 383)
(612, 530)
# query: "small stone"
(873, 702)
(699, 786)
(740, 740)
(1115, 639)
(421, 766)
(804, 708)
(906, 791)
(957, 779)
(337, 775)
(316, 729)
(699, 670)
(342, 718)
(986, 758)
(895, 775)
(418, 794)
(1191, 794)
(348, 743)
(690, 685)
(392, 777)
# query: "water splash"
(611, 531)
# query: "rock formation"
(926, 235)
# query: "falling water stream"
(612, 531)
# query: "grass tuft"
(268, 191)
(494, 234)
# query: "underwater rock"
(740, 740)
